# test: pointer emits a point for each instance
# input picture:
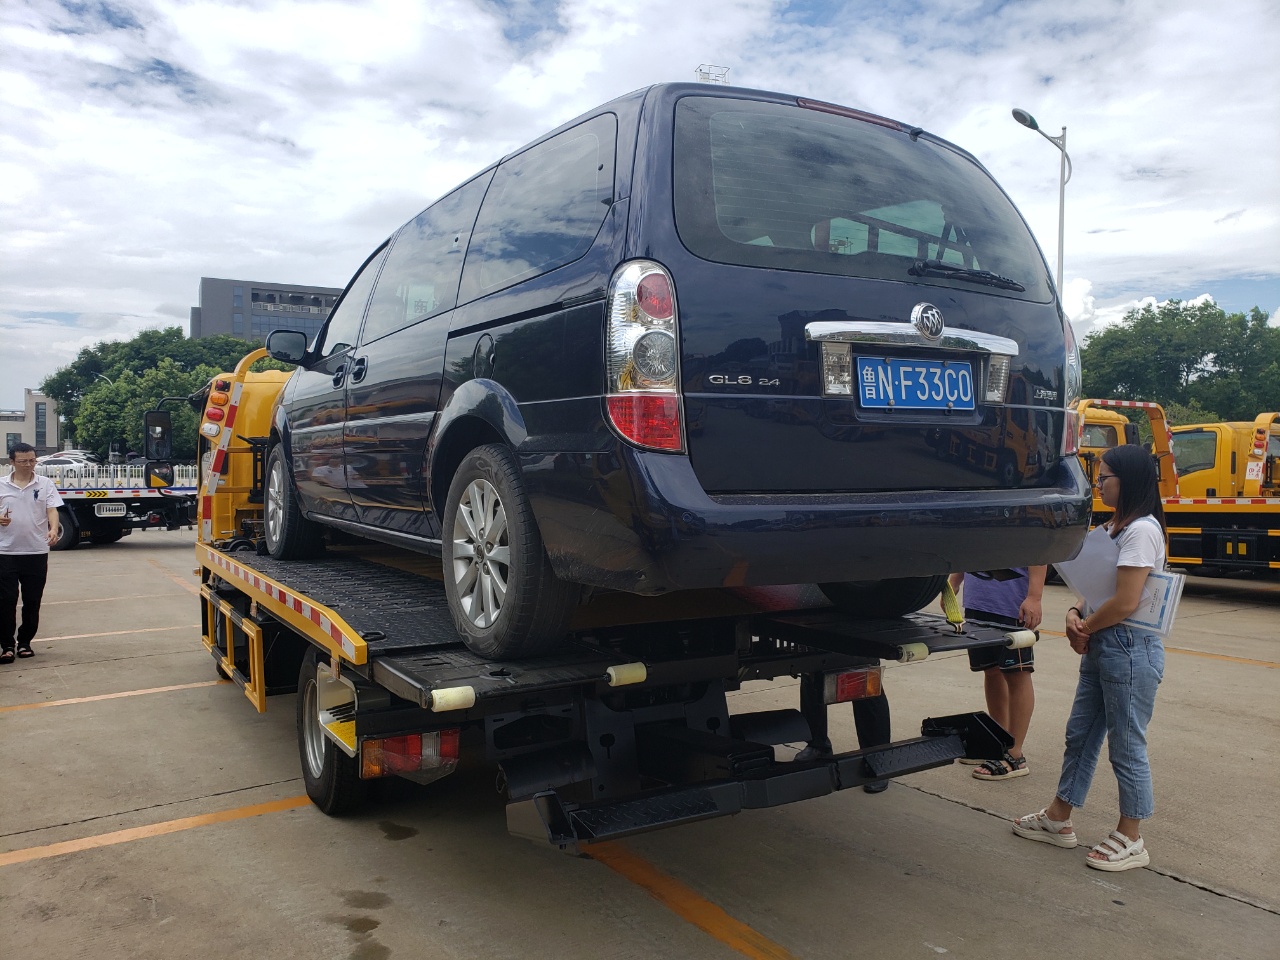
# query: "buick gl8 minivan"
(699, 336)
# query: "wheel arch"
(480, 411)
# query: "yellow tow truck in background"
(1220, 483)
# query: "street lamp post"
(1064, 174)
(102, 376)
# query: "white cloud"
(145, 143)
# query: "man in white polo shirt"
(28, 527)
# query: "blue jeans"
(1114, 698)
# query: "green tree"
(1187, 355)
(111, 412)
(1184, 414)
(89, 378)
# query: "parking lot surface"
(146, 810)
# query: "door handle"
(359, 367)
(339, 374)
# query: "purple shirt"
(985, 593)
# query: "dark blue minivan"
(700, 336)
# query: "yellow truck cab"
(1236, 459)
(1219, 482)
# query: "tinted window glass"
(344, 323)
(772, 185)
(544, 208)
(421, 275)
(1194, 450)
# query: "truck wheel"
(107, 536)
(505, 599)
(878, 599)
(70, 535)
(290, 535)
(331, 777)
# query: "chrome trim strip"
(904, 334)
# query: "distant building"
(36, 423)
(251, 310)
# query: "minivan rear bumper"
(640, 522)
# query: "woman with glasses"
(28, 527)
(1121, 668)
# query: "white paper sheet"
(1092, 577)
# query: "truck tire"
(331, 777)
(108, 536)
(290, 535)
(505, 599)
(69, 538)
(879, 599)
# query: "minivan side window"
(344, 323)
(544, 208)
(420, 279)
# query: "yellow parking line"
(112, 696)
(132, 596)
(150, 830)
(116, 633)
(687, 904)
(1223, 656)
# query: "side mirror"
(1131, 433)
(288, 346)
(159, 435)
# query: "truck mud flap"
(566, 824)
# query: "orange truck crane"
(1219, 482)
(624, 728)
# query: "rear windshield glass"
(772, 185)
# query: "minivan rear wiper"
(923, 267)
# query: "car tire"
(69, 533)
(332, 779)
(505, 599)
(290, 535)
(881, 599)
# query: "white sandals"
(1038, 826)
(1120, 852)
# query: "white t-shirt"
(28, 514)
(1141, 544)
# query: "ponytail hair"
(1139, 477)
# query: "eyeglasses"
(1101, 480)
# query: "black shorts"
(1009, 661)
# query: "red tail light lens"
(214, 413)
(651, 420)
(654, 296)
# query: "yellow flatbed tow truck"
(624, 729)
(1219, 483)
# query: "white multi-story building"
(36, 423)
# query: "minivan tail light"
(642, 357)
(1073, 388)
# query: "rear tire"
(880, 599)
(107, 536)
(505, 599)
(69, 536)
(290, 535)
(331, 777)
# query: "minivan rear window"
(774, 185)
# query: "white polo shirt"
(28, 528)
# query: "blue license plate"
(897, 384)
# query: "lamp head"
(1024, 118)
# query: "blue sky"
(147, 143)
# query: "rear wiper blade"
(924, 267)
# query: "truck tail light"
(642, 350)
(1072, 390)
(419, 756)
(851, 685)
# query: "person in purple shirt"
(1011, 598)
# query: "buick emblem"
(928, 320)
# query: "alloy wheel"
(481, 553)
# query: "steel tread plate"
(392, 609)
(644, 813)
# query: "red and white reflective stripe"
(1138, 405)
(290, 600)
(219, 462)
(1228, 501)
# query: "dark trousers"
(870, 716)
(25, 572)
